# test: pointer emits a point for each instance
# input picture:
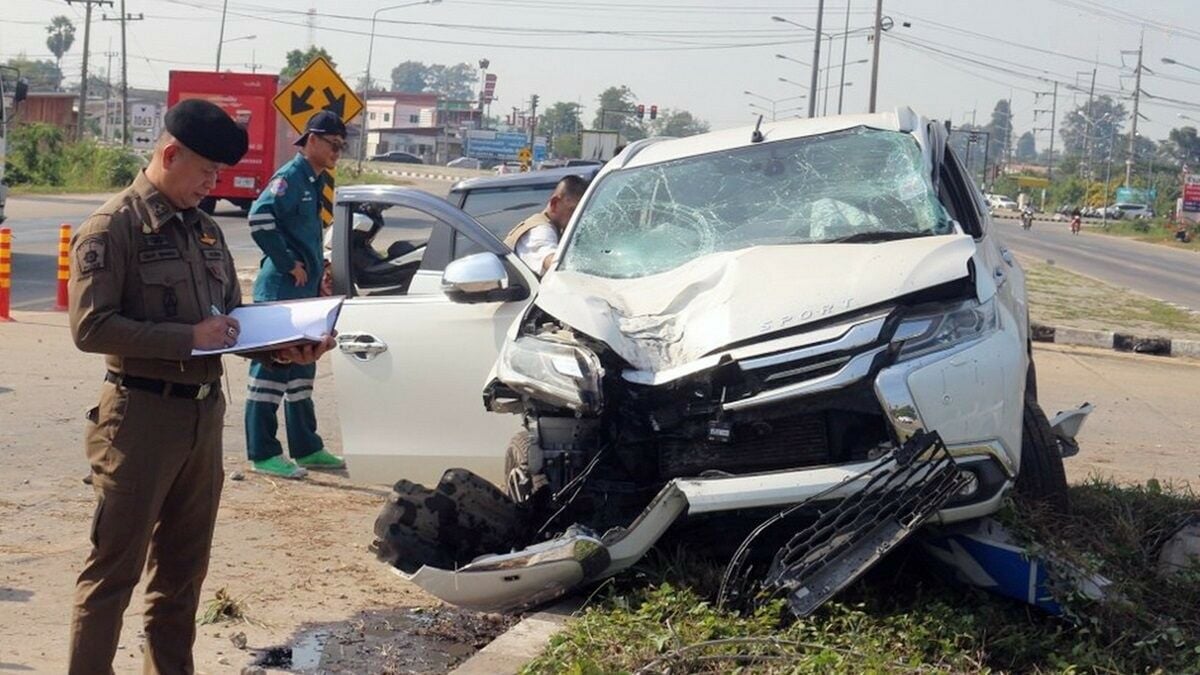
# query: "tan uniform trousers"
(156, 465)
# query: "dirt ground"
(295, 553)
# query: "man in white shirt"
(535, 239)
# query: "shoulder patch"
(278, 186)
(91, 254)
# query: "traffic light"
(641, 111)
(534, 100)
(653, 111)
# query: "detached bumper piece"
(456, 541)
(844, 538)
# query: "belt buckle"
(203, 391)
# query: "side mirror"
(480, 277)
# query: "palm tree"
(62, 36)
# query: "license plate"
(244, 182)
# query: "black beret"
(207, 130)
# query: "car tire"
(520, 483)
(208, 205)
(1042, 479)
(1031, 388)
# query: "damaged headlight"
(553, 371)
(945, 327)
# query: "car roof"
(527, 179)
(900, 119)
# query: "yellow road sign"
(317, 87)
(525, 155)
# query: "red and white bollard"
(5, 272)
(64, 265)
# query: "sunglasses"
(337, 146)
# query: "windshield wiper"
(865, 237)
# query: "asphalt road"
(1158, 271)
(35, 219)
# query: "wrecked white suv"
(807, 325)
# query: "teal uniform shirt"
(285, 222)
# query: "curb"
(520, 644)
(1121, 342)
(415, 174)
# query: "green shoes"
(280, 467)
(321, 460)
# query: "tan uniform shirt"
(142, 273)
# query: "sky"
(953, 60)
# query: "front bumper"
(547, 570)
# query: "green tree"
(1093, 140)
(455, 82)
(1026, 150)
(61, 36)
(35, 154)
(298, 59)
(615, 112)
(42, 75)
(1183, 146)
(410, 77)
(1000, 129)
(677, 123)
(566, 145)
(562, 117)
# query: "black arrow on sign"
(300, 103)
(334, 104)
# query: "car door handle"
(362, 346)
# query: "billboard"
(1128, 195)
(1191, 193)
(502, 145)
(489, 88)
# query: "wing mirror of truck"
(480, 277)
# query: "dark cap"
(323, 123)
(207, 130)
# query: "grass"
(1153, 232)
(223, 608)
(902, 618)
(19, 190)
(1058, 297)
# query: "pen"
(214, 311)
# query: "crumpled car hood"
(669, 319)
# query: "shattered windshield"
(858, 185)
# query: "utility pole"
(254, 64)
(812, 89)
(124, 19)
(83, 80)
(845, 43)
(875, 58)
(221, 35)
(1137, 94)
(108, 87)
(533, 103)
(1087, 138)
(1053, 123)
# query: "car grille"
(801, 440)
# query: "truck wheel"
(520, 483)
(1042, 478)
(208, 205)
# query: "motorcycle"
(1026, 219)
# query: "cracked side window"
(857, 185)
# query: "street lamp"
(816, 67)
(1173, 62)
(816, 62)
(224, 42)
(366, 113)
(773, 101)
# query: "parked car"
(820, 322)
(398, 156)
(465, 163)
(1002, 203)
(1130, 210)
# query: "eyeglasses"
(337, 146)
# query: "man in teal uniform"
(286, 224)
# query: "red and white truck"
(248, 99)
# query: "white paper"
(276, 323)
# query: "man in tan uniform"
(151, 280)
(535, 239)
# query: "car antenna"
(757, 136)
